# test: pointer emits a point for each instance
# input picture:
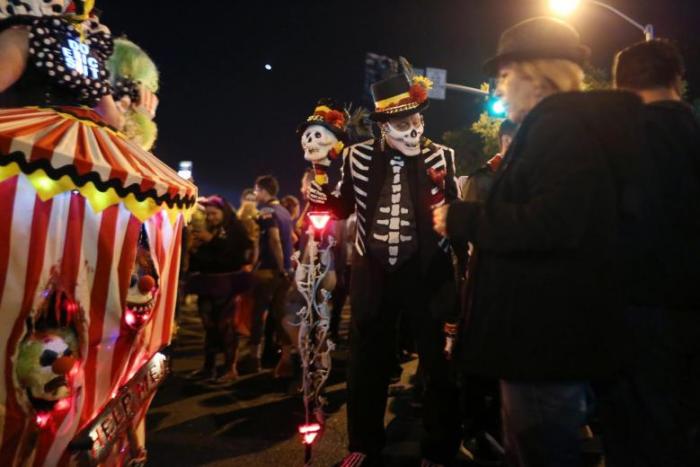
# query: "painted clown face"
(404, 134)
(317, 142)
(44, 364)
(143, 286)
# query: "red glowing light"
(42, 419)
(130, 318)
(63, 404)
(74, 371)
(319, 219)
(309, 432)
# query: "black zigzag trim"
(81, 180)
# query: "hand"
(204, 235)
(316, 194)
(440, 220)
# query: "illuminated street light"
(566, 7)
(185, 170)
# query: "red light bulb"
(309, 432)
(42, 419)
(319, 219)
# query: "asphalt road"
(254, 421)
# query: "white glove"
(316, 194)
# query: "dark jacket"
(226, 252)
(669, 259)
(546, 303)
(363, 175)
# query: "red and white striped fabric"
(71, 142)
(94, 254)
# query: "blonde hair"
(247, 214)
(554, 75)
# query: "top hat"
(537, 38)
(396, 97)
(330, 116)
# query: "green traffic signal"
(496, 107)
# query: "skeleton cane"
(314, 345)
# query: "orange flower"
(418, 93)
(335, 118)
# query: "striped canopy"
(69, 143)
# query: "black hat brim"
(340, 134)
(386, 116)
(578, 55)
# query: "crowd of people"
(554, 284)
(240, 265)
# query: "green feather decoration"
(130, 61)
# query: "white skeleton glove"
(316, 194)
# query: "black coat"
(668, 263)
(546, 303)
(363, 175)
(226, 252)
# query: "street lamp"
(566, 7)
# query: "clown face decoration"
(48, 357)
(404, 134)
(45, 362)
(143, 287)
(317, 142)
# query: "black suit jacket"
(363, 174)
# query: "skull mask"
(404, 134)
(317, 142)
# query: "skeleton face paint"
(403, 134)
(317, 141)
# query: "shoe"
(202, 373)
(249, 364)
(229, 377)
(285, 367)
(481, 451)
(270, 356)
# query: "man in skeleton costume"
(400, 266)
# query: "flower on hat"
(335, 118)
(424, 81)
(418, 93)
(419, 89)
(331, 117)
(336, 150)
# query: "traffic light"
(495, 106)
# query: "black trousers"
(219, 335)
(372, 356)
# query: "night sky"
(235, 120)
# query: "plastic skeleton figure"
(315, 280)
(322, 138)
